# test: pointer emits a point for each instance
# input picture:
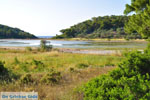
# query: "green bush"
(25, 66)
(51, 78)
(36, 62)
(28, 49)
(82, 65)
(16, 61)
(106, 88)
(71, 69)
(38, 65)
(5, 75)
(130, 81)
(3, 70)
(26, 79)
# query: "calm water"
(72, 44)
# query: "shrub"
(130, 81)
(71, 69)
(106, 88)
(16, 61)
(81, 65)
(4, 73)
(28, 49)
(51, 78)
(3, 70)
(26, 79)
(25, 66)
(38, 65)
(36, 62)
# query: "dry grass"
(62, 91)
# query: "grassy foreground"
(54, 75)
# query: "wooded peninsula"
(99, 27)
(7, 32)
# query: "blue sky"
(47, 17)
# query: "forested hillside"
(9, 32)
(99, 27)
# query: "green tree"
(136, 6)
(140, 21)
(45, 45)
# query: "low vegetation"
(54, 75)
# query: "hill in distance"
(7, 32)
(98, 27)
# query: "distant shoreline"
(83, 39)
(98, 39)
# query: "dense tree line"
(99, 27)
(9, 32)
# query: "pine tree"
(140, 21)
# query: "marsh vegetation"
(54, 74)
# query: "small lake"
(73, 44)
